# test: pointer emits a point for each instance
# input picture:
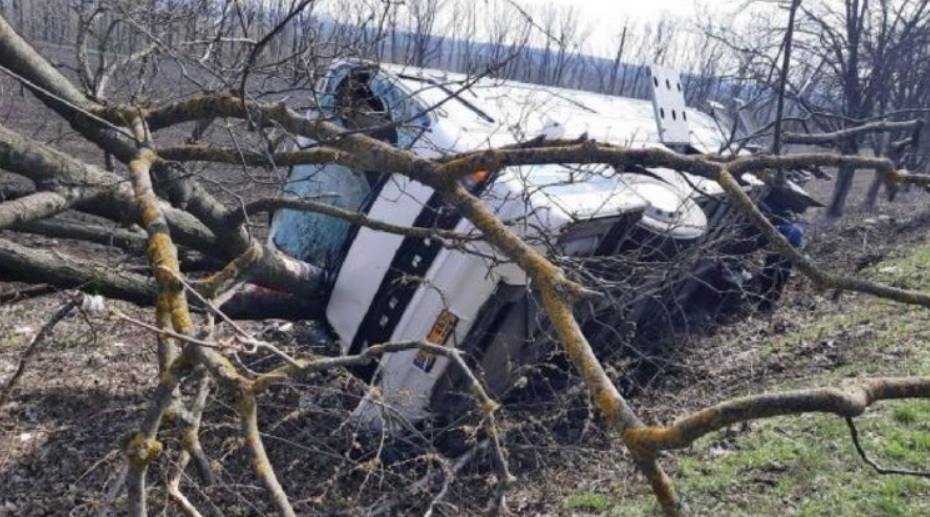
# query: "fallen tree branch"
(854, 434)
(849, 402)
(89, 188)
(26, 293)
(37, 265)
(34, 206)
(130, 241)
(215, 154)
(40, 338)
(171, 310)
(60, 228)
(248, 417)
(192, 450)
(63, 271)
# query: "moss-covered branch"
(846, 402)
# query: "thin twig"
(170, 333)
(115, 490)
(854, 433)
(190, 429)
(447, 477)
(81, 110)
(257, 49)
(26, 293)
(780, 109)
(387, 507)
(245, 338)
(40, 338)
(178, 497)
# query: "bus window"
(320, 239)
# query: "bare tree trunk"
(871, 197)
(844, 183)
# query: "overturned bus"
(619, 228)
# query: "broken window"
(320, 239)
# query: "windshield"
(312, 237)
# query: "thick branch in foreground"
(173, 314)
(25, 264)
(61, 228)
(37, 265)
(248, 417)
(171, 309)
(88, 188)
(849, 402)
(214, 154)
(105, 194)
(32, 207)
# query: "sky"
(604, 11)
(602, 17)
(601, 20)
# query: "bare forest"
(186, 187)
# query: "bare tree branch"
(40, 338)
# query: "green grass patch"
(588, 502)
(804, 466)
(807, 465)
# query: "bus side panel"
(400, 202)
